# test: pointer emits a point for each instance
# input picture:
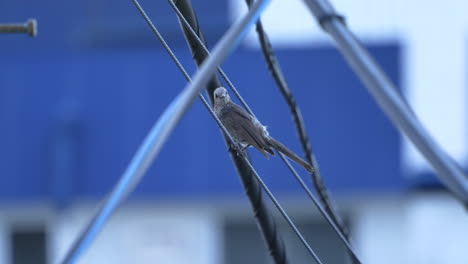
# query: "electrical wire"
(331, 219)
(220, 70)
(231, 140)
(321, 209)
(385, 94)
(159, 133)
(262, 214)
(276, 72)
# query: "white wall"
(424, 228)
(144, 233)
(427, 228)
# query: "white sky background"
(433, 35)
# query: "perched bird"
(247, 130)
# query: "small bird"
(248, 131)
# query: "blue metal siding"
(75, 108)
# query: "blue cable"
(161, 131)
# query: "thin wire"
(275, 70)
(319, 206)
(264, 186)
(285, 215)
(179, 66)
(159, 133)
(252, 188)
(340, 232)
(274, 67)
(220, 70)
(231, 140)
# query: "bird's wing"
(252, 131)
(241, 112)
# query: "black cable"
(187, 27)
(230, 140)
(322, 211)
(266, 223)
(159, 133)
(276, 72)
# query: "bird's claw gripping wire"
(237, 148)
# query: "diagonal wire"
(274, 67)
(231, 140)
(277, 74)
(385, 94)
(159, 133)
(321, 209)
(200, 42)
(253, 190)
(330, 215)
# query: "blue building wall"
(76, 101)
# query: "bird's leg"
(235, 146)
(245, 147)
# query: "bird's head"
(221, 96)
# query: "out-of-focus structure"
(77, 100)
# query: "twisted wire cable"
(332, 218)
(158, 135)
(253, 190)
(230, 139)
(277, 74)
(186, 25)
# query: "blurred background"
(77, 100)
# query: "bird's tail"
(291, 155)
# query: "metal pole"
(387, 97)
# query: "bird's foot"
(245, 147)
(236, 147)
